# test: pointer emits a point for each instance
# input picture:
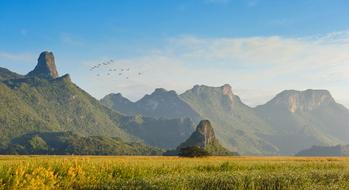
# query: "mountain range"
(292, 121)
(44, 102)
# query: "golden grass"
(141, 172)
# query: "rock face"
(46, 67)
(204, 137)
(302, 100)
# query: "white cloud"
(263, 65)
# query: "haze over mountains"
(42, 102)
(292, 121)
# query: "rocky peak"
(227, 91)
(46, 67)
(303, 100)
(205, 130)
(203, 135)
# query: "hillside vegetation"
(65, 143)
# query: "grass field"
(77, 172)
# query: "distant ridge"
(291, 121)
(301, 119)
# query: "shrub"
(194, 151)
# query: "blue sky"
(260, 47)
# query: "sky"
(259, 47)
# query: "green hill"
(44, 102)
(63, 143)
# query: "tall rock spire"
(46, 67)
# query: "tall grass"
(73, 172)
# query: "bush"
(194, 151)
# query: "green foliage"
(38, 105)
(37, 144)
(61, 143)
(32, 104)
(193, 151)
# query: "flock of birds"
(119, 72)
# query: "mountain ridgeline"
(290, 122)
(42, 101)
(44, 104)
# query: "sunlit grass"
(98, 172)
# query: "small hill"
(339, 150)
(204, 137)
(63, 143)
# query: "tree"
(193, 151)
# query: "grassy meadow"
(95, 172)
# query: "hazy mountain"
(175, 117)
(338, 150)
(237, 126)
(160, 104)
(301, 119)
(204, 137)
(163, 133)
(60, 143)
